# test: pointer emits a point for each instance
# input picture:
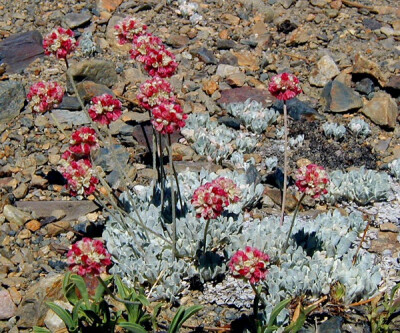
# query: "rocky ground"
(226, 54)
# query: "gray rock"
(16, 216)
(325, 71)
(205, 55)
(7, 306)
(394, 82)
(98, 71)
(72, 118)
(382, 110)
(332, 325)
(69, 103)
(226, 70)
(365, 86)
(106, 159)
(75, 20)
(228, 59)
(12, 100)
(298, 109)
(18, 51)
(225, 44)
(372, 24)
(340, 98)
(240, 95)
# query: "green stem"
(285, 167)
(109, 292)
(205, 236)
(173, 204)
(292, 224)
(255, 305)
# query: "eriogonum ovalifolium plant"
(83, 141)
(105, 109)
(284, 86)
(153, 92)
(168, 117)
(128, 28)
(88, 257)
(60, 42)
(249, 264)
(312, 180)
(44, 96)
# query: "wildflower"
(168, 117)
(153, 92)
(105, 109)
(151, 52)
(250, 264)
(284, 86)
(312, 180)
(60, 42)
(88, 257)
(229, 187)
(128, 28)
(83, 141)
(79, 176)
(210, 200)
(43, 96)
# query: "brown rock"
(236, 80)
(7, 306)
(240, 95)
(230, 19)
(248, 60)
(33, 225)
(108, 5)
(336, 4)
(88, 89)
(181, 152)
(382, 110)
(276, 196)
(56, 228)
(385, 241)
(299, 36)
(210, 86)
(25, 234)
(394, 82)
(389, 227)
(38, 181)
(177, 41)
(363, 65)
(340, 98)
(15, 215)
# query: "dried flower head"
(153, 92)
(284, 86)
(79, 176)
(105, 109)
(151, 52)
(83, 141)
(60, 42)
(88, 257)
(43, 96)
(312, 180)
(128, 28)
(250, 264)
(229, 187)
(168, 117)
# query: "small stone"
(107, 5)
(58, 213)
(54, 159)
(92, 217)
(365, 86)
(38, 181)
(210, 86)
(363, 65)
(340, 98)
(12, 100)
(394, 82)
(16, 216)
(69, 103)
(382, 110)
(276, 196)
(325, 71)
(230, 19)
(389, 227)
(25, 234)
(33, 225)
(242, 94)
(205, 55)
(56, 228)
(52, 321)
(72, 118)
(7, 306)
(248, 60)
(21, 191)
(15, 295)
(181, 152)
(89, 89)
(301, 35)
(228, 59)
(75, 20)
(177, 41)
(303, 162)
(226, 70)
(225, 44)
(229, 122)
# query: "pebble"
(7, 306)
(15, 216)
(382, 110)
(340, 98)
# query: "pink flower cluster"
(154, 91)
(250, 264)
(79, 176)
(128, 28)
(83, 141)
(60, 42)
(284, 86)
(105, 109)
(88, 257)
(210, 199)
(43, 96)
(157, 60)
(168, 117)
(312, 180)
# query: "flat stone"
(74, 209)
(33, 225)
(21, 191)
(12, 100)
(385, 241)
(247, 60)
(340, 98)
(236, 80)
(372, 24)
(33, 307)
(299, 36)
(325, 70)
(389, 227)
(69, 103)
(394, 82)
(15, 215)
(7, 306)
(210, 86)
(205, 55)
(365, 86)
(225, 44)
(88, 89)
(106, 158)
(362, 65)
(228, 59)
(242, 94)
(298, 109)
(56, 228)
(382, 110)
(98, 71)
(276, 196)
(19, 50)
(108, 5)
(70, 117)
(177, 41)
(75, 20)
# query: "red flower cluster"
(60, 42)
(284, 86)
(153, 92)
(157, 60)
(88, 257)
(212, 198)
(83, 141)
(312, 180)
(128, 28)
(105, 109)
(43, 96)
(168, 117)
(79, 176)
(250, 264)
